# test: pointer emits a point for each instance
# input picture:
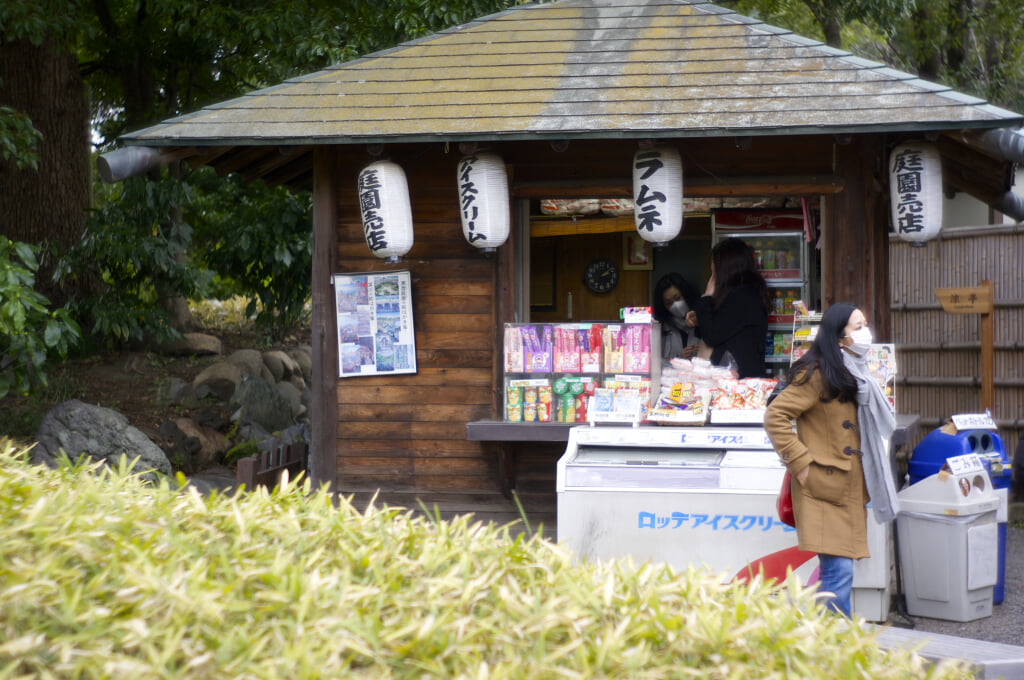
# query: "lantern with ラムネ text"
(387, 215)
(915, 191)
(483, 200)
(658, 194)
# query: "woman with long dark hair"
(837, 456)
(674, 297)
(733, 314)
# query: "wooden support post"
(988, 354)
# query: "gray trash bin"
(948, 545)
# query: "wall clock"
(601, 275)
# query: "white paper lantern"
(387, 215)
(915, 190)
(658, 194)
(483, 200)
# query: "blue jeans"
(836, 578)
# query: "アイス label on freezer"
(674, 437)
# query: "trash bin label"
(982, 565)
(974, 421)
(961, 465)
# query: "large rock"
(249, 360)
(294, 397)
(281, 365)
(100, 433)
(304, 360)
(262, 403)
(212, 444)
(221, 378)
(193, 344)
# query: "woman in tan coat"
(824, 454)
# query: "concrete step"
(991, 660)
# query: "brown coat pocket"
(827, 483)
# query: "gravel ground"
(1006, 625)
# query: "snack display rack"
(553, 370)
(805, 329)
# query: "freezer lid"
(737, 437)
(622, 454)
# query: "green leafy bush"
(30, 333)
(137, 245)
(107, 577)
(259, 241)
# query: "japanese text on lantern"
(369, 205)
(909, 168)
(646, 199)
(468, 194)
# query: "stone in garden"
(249, 360)
(101, 434)
(192, 344)
(262, 403)
(222, 378)
(293, 395)
(304, 361)
(280, 364)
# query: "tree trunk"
(49, 203)
(928, 62)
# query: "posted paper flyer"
(375, 328)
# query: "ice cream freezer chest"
(685, 496)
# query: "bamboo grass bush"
(104, 576)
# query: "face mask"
(679, 309)
(862, 340)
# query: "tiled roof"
(587, 68)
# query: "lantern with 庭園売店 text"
(658, 194)
(483, 200)
(915, 191)
(385, 209)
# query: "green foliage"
(38, 20)
(110, 577)
(258, 239)
(240, 451)
(30, 333)
(19, 140)
(135, 244)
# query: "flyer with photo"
(375, 327)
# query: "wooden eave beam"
(271, 162)
(241, 159)
(697, 186)
(287, 174)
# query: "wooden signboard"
(966, 300)
(978, 300)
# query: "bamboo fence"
(939, 354)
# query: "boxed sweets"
(572, 394)
(627, 348)
(528, 400)
(528, 349)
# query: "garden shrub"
(106, 576)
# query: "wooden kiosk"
(564, 93)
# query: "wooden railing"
(265, 468)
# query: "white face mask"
(862, 340)
(679, 309)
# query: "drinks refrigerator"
(780, 248)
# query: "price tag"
(962, 465)
(974, 421)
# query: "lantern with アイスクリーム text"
(658, 194)
(915, 190)
(483, 200)
(384, 205)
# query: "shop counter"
(511, 437)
